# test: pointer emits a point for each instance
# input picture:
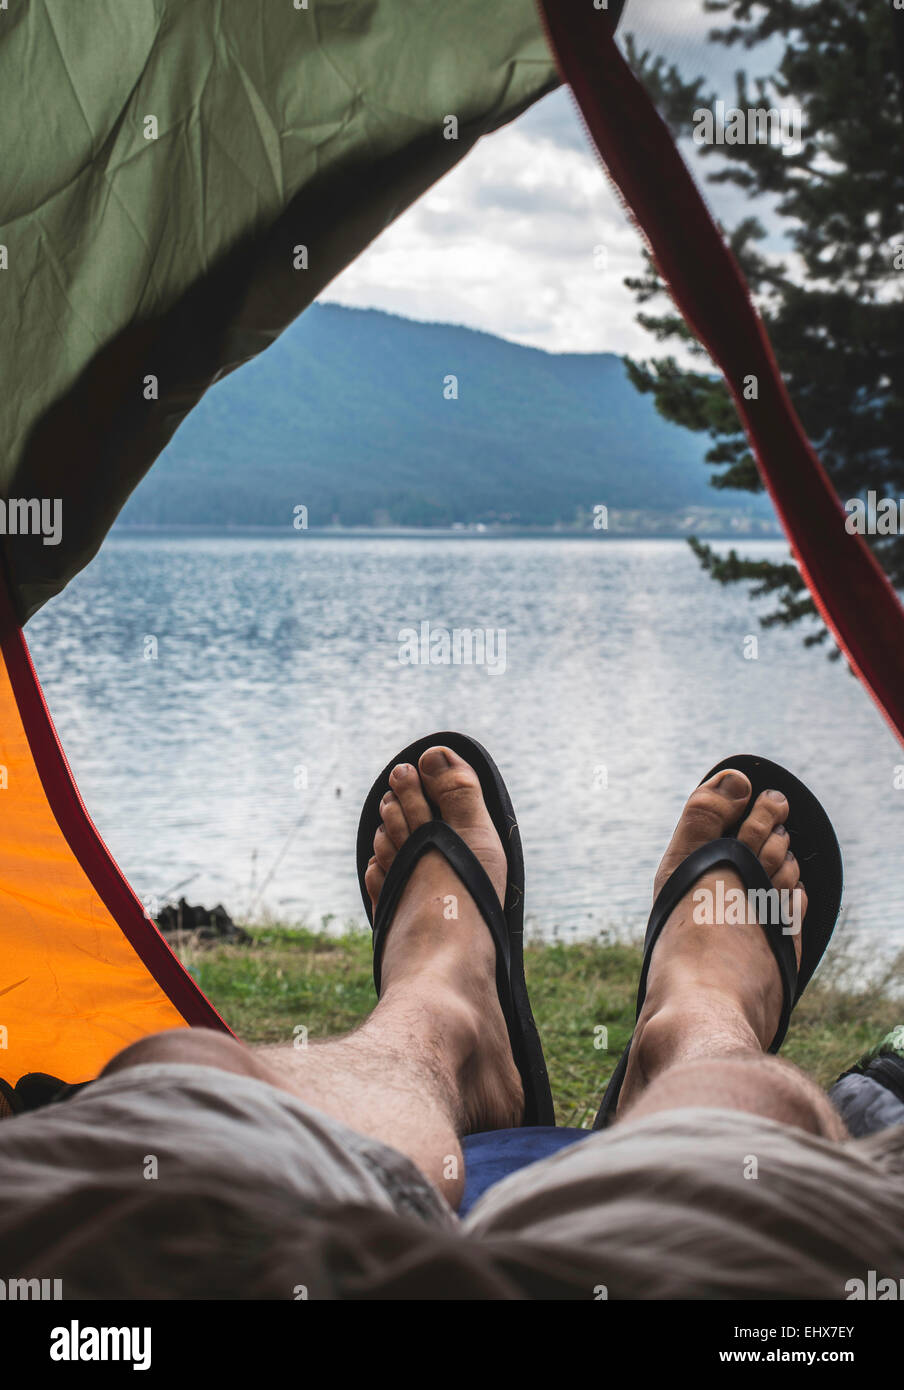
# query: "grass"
(293, 976)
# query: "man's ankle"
(686, 1027)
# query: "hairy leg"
(394, 1079)
(432, 1062)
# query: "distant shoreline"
(469, 533)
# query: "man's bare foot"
(714, 989)
(439, 951)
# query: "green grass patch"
(292, 976)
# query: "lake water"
(277, 663)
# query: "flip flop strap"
(436, 834)
(730, 853)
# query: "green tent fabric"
(163, 162)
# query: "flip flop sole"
(525, 1040)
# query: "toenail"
(733, 785)
(401, 770)
(434, 760)
(389, 796)
(788, 856)
(773, 795)
(780, 830)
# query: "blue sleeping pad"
(493, 1156)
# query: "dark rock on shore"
(207, 924)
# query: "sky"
(507, 242)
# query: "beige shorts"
(181, 1181)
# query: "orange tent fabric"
(83, 970)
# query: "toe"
(394, 820)
(787, 880)
(787, 874)
(453, 786)
(769, 810)
(384, 849)
(713, 807)
(801, 894)
(711, 810)
(775, 851)
(406, 787)
(373, 880)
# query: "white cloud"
(507, 241)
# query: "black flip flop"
(505, 925)
(812, 841)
